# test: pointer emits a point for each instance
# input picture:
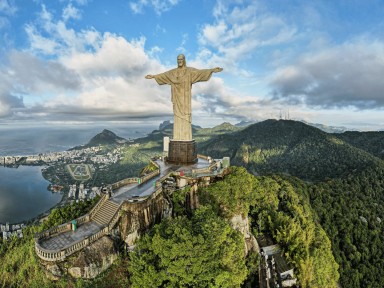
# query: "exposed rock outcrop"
(136, 218)
(241, 224)
(93, 260)
(87, 263)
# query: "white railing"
(61, 254)
(124, 182)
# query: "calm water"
(24, 194)
(23, 191)
(33, 140)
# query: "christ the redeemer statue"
(181, 80)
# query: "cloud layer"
(272, 61)
(340, 76)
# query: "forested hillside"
(201, 250)
(289, 147)
(319, 195)
(351, 212)
(346, 190)
(372, 142)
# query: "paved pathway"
(119, 195)
(65, 239)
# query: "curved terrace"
(59, 242)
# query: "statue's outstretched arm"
(217, 69)
(149, 76)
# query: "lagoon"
(23, 190)
(24, 194)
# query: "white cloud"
(113, 56)
(8, 7)
(137, 7)
(86, 74)
(213, 98)
(71, 12)
(23, 76)
(340, 76)
(50, 37)
(89, 73)
(159, 6)
(241, 28)
(39, 43)
(33, 75)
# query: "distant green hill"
(106, 137)
(372, 142)
(292, 147)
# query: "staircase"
(105, 213)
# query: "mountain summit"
(106, 137)
(292, 147)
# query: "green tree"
(233, 195)
(198, 252)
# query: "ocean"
(23, 190)
(32, 140)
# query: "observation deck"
(61, 241)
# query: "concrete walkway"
(65, 239)
(121, 194)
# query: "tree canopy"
(203, 251)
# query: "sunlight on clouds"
(116, 85)
(115, 55)
(271, 61)
(110, 68)
(114, 96)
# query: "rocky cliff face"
(241, 224)
(137, 218)
(87, 264)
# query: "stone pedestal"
(182, 152)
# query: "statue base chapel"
(182, 152)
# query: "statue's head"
(181, 61)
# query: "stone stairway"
(105, 213)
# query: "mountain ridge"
(292, 147)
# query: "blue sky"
(84, 61)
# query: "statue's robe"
(181, 80)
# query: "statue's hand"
(149, 76)
(217, 69)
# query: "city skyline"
(84, 61)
